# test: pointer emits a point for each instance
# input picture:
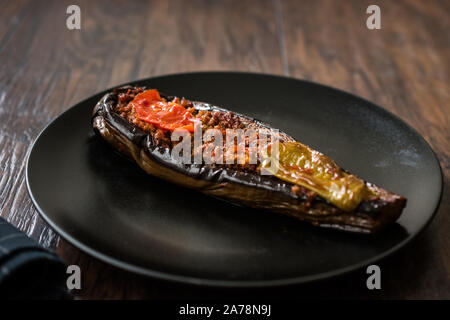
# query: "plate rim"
(231, 283)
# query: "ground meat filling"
(220, 120)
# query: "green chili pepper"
(299, 164)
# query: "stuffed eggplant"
(305, 184)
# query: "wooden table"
(404, 67)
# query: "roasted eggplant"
(138, 122)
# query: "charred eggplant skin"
(249, 189)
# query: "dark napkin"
(27, 270)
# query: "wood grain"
(45, 68)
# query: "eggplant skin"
(242, 188)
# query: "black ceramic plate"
(108, 207)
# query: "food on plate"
(239, 159)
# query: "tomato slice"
(150, 108)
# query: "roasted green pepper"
(299, 164)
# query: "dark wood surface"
(404, 67)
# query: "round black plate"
(108, 207)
